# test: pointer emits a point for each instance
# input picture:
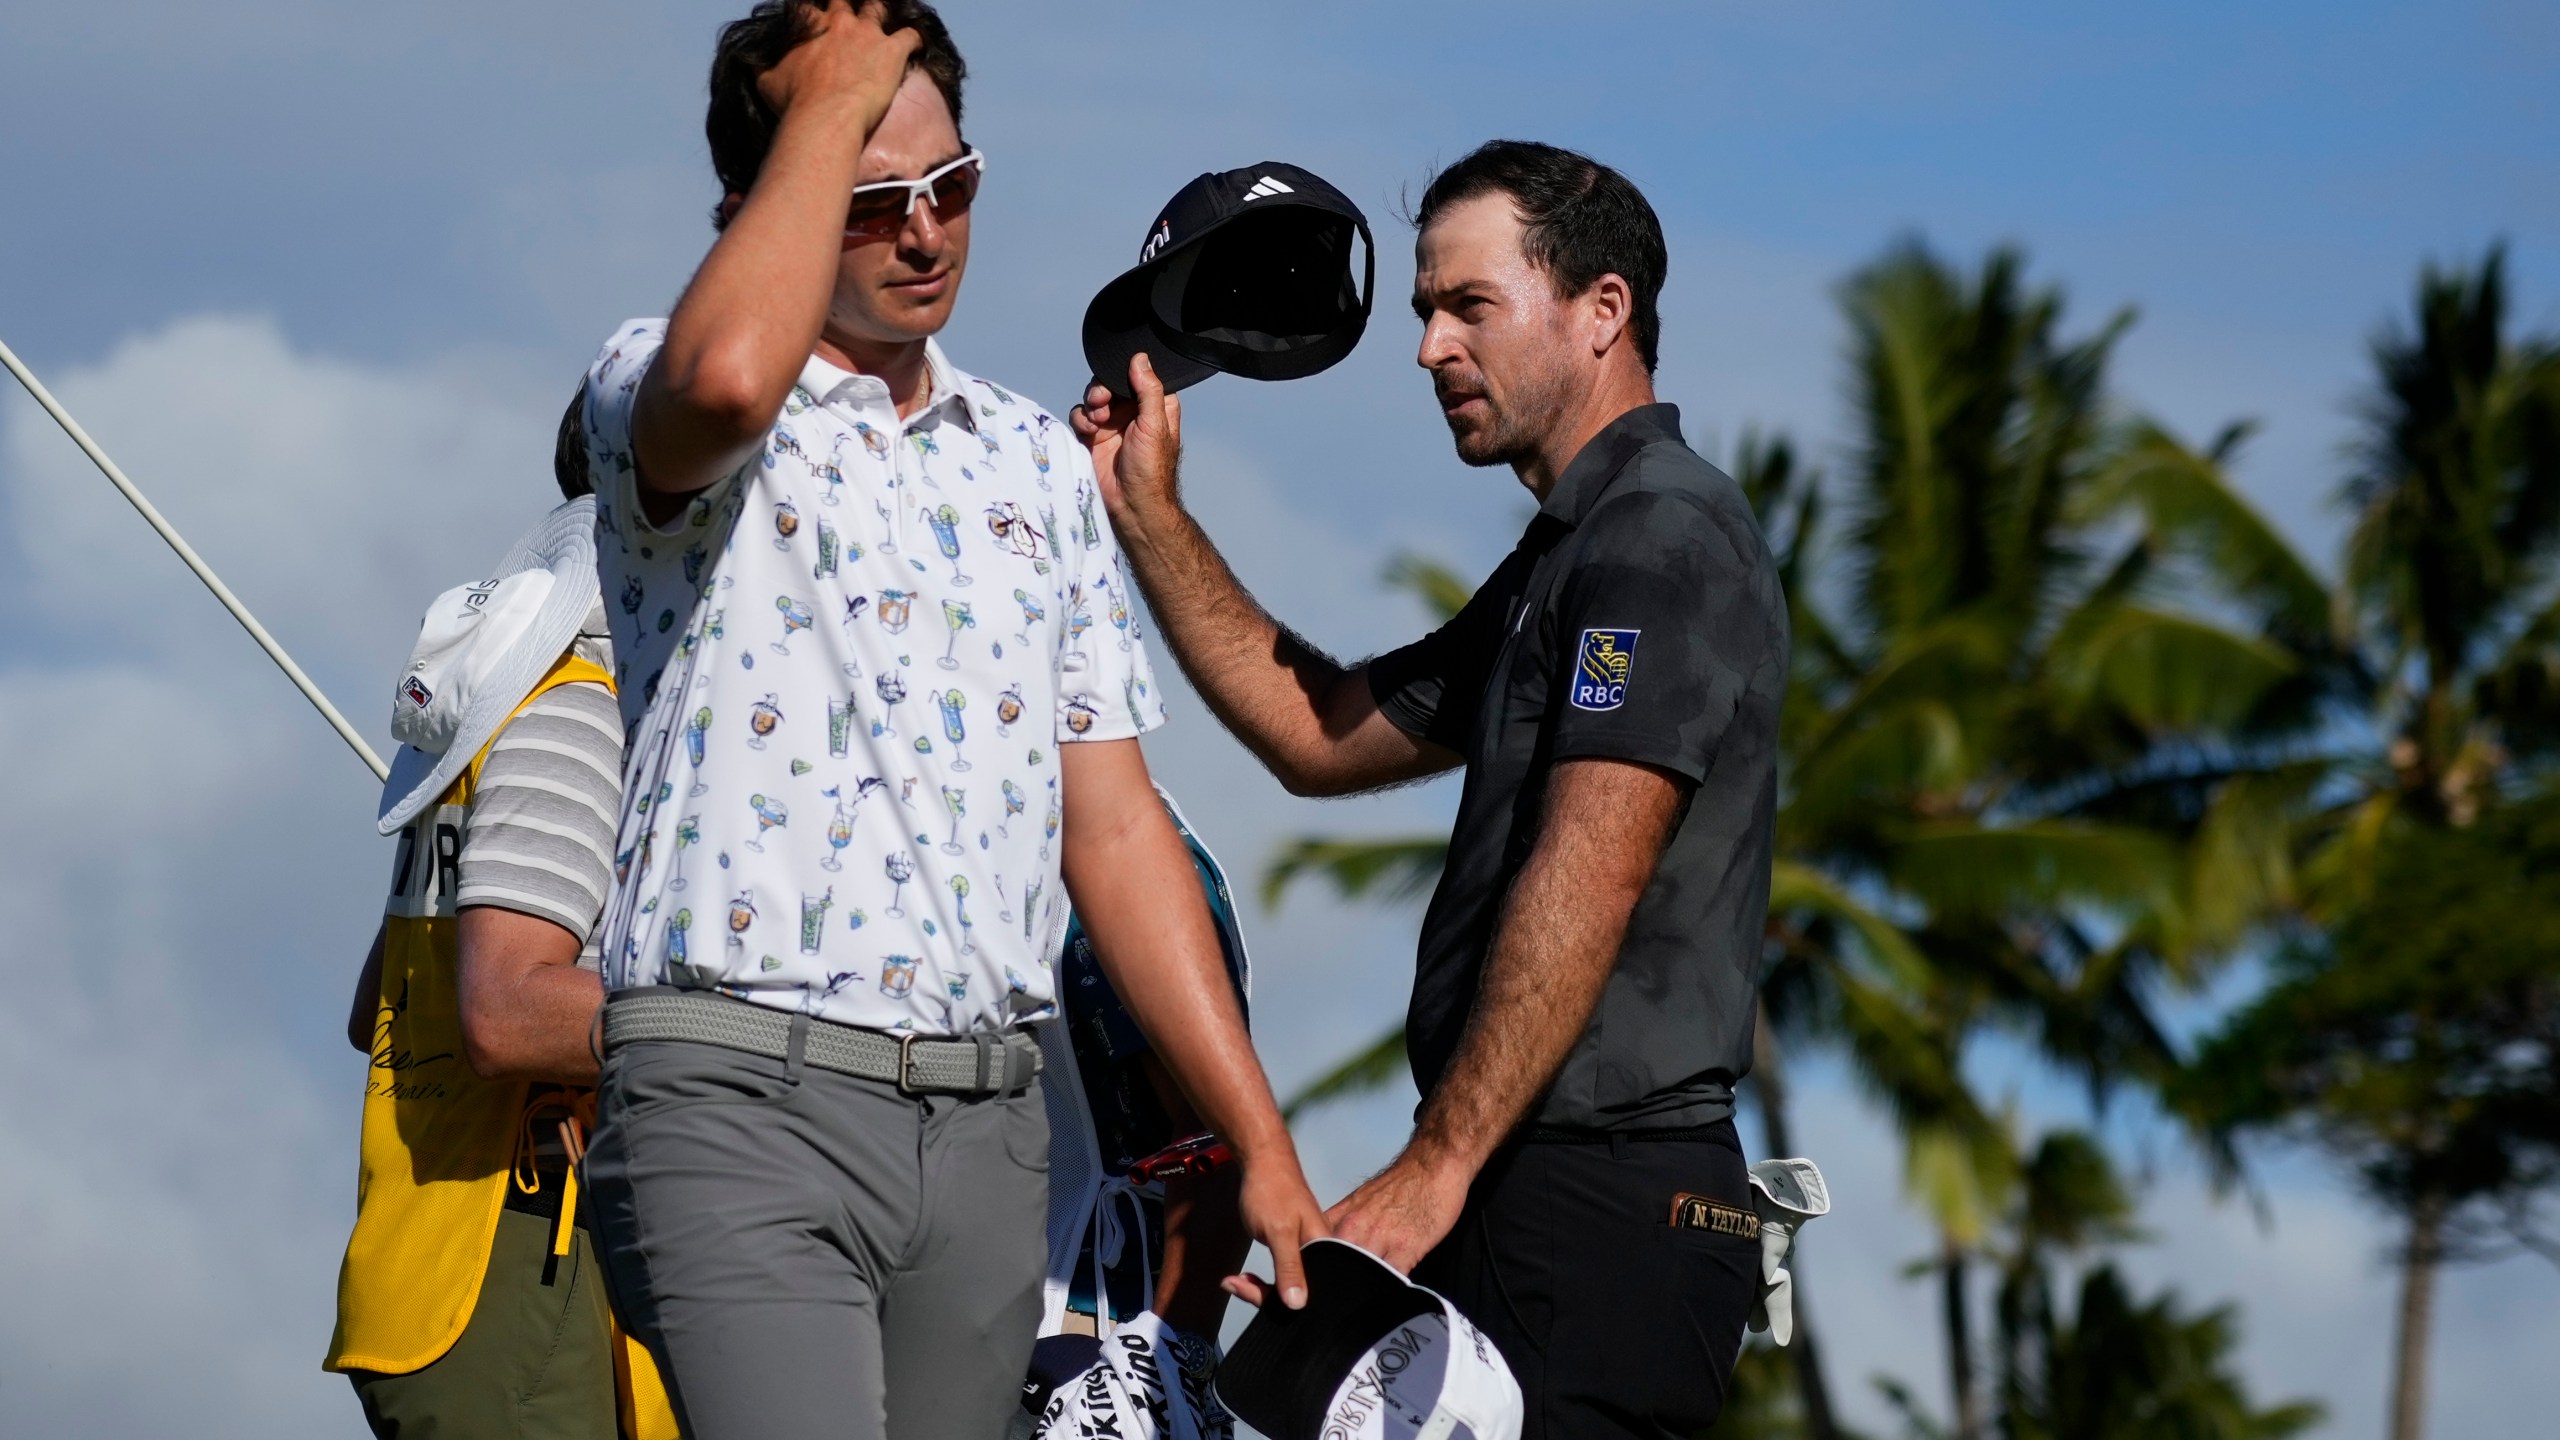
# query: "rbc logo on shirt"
(1600, 670)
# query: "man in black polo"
(1582, 1006)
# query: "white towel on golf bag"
(1152, 1383)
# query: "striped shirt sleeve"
(540, 837)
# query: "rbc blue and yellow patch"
(1601, 667)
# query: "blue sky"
(322, 275)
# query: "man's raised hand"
(845, 57)
(1136, 444)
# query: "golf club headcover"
(1788, 1194)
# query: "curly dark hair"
(1580, 220)
(569, 449)
(740, 125)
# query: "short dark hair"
(1581, 220)
(740, 125)
(569, 449)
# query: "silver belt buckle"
(907, 1064)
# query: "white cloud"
(178, 1167)
(335, 497)
(190, 872)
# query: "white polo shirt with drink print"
(847, 671)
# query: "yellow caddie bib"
(439, 1143)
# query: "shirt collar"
(1604, 455)
(943, 380)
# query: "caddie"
(470, 1302)
(884, 687)
(1583, 997)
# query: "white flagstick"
(195, 562)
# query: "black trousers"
(1616, 1321)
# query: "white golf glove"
(1787, 1194)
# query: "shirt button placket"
(902, 485)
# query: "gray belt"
(917, 1065)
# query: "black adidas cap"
(1247, 272)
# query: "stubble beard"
(1512, 433)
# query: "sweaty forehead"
(1473, 242)
(916, 135)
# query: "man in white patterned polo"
(884, 690)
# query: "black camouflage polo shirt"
(1640, 618)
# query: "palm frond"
(2193, 508)
(1961, 1174)
(2458, 493)
(2339, 871)
(2166, 673)
(1397, 868)
(1901, 728)
(1920, 747)
(1434, 584)
(2089, 1008)
(1375, 1067)
(1958, 1161)
(1969, 870)
(2071, 1197)
(2241, 863)
(2519, 691)
(1799, 889)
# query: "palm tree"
(2126, 1369)
(2010, 742)
(2111, 1367)
(2446, 645)
(2417, 1039)
(2458, 505)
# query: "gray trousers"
(808, 1254)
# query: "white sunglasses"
(888, 203)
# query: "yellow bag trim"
(568, 1212)
(639, 1395)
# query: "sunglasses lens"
(953, 193)
(885, 209)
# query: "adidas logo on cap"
(1265, 188)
